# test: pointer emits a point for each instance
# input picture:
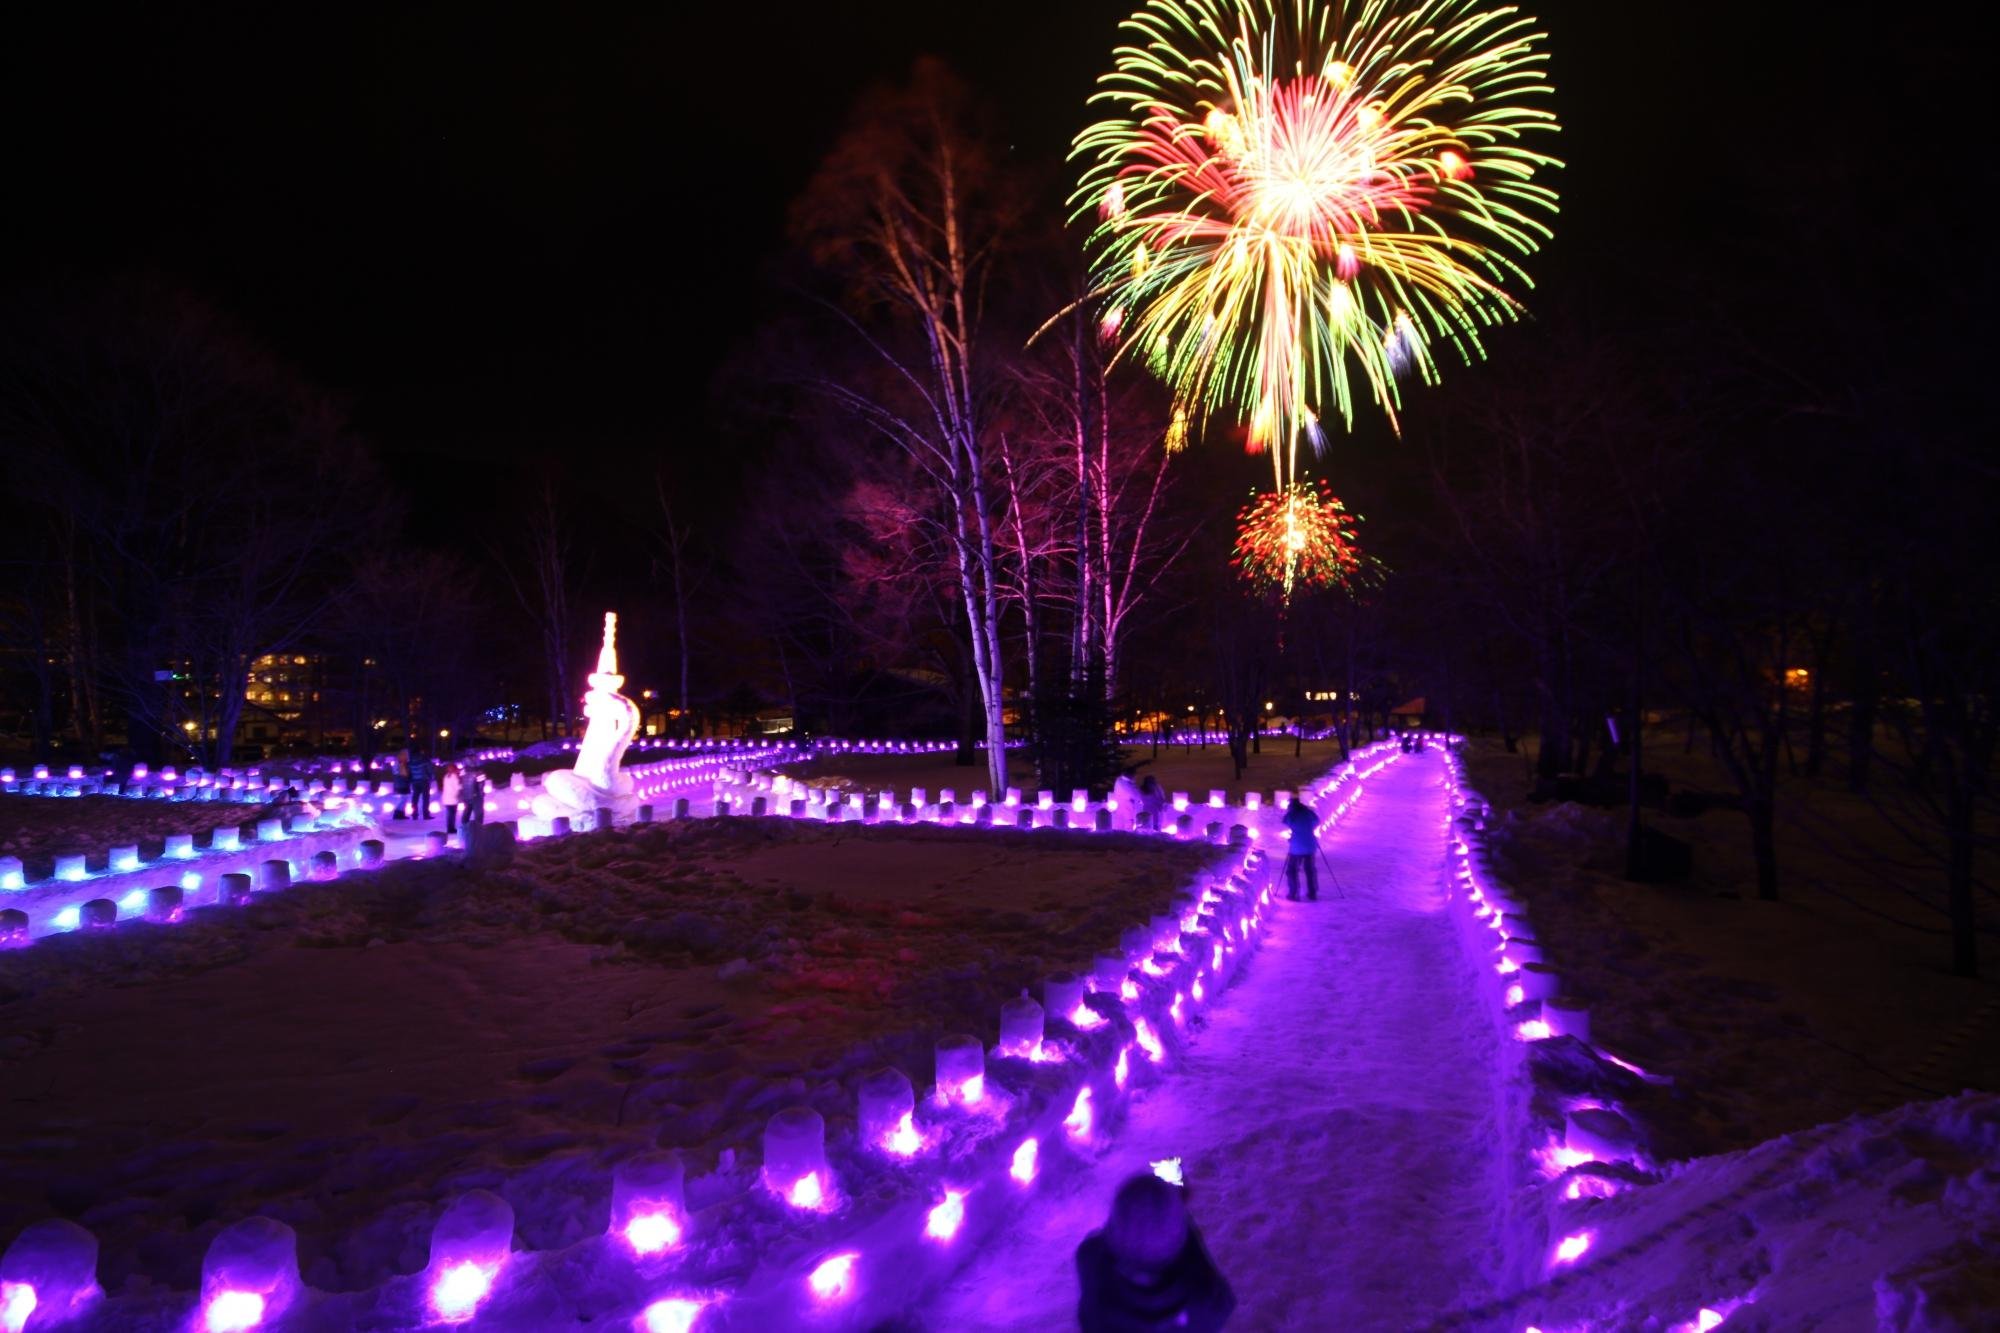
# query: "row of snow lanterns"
(250, 1274)
(1203, 940)
(1200, 940)
(1592, 1130)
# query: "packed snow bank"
(1888, 1222)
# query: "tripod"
(1338, 891)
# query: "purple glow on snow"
(943, 1221)
(17, 1302)
(1123, 1069)
(1023, 1166)
(652, 1233)
(1078, 1122)
(672, 1314)
(1506, 965)
(1148, 1042)
(1151, 968)
(233, 1312)
(1571, 1248)
(1128, 990)
(1086, 1018)
(460, 1288)
(1174, 1009)
(807, 1191)
(969, 1092)
(1535, 1029)
(833, 1280)
(1514, 995)
(1169, 1170)
(903, 1140)
(1626, 1065)
(1197, 991)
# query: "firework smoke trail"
(1296, 202)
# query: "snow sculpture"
(249, 1276)
(612, 720)
(51, 1267)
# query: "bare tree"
(909, 211)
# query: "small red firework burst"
(1300, 536)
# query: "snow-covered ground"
(1335, 1120)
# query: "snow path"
(1335, 1117)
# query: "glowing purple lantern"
(50, 1269)
(234, 890)
(1567, 1018)
(648, 1209)
(1026, 1161)
(887, 1106)
(1062, 994)
(249, 1277)
(795, 1166)
(1598, 1134)
(961, 1070)
(1538, 981)
(469, 1247)
(944, 1220)
(1021, 1027)
(12, 876)
(13, 926)
(834, 1279)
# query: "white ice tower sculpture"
(612, 720)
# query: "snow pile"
(1889, 1221)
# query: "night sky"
(497, 236)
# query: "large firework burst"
(1298, 200)
(1299, 535)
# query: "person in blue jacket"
(1304, 850)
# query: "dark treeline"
(1749, 489)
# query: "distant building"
(1409, 717)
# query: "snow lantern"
(235, 889)
(648, 1208)
(274, 874)
(1021, 1027)
(11, 874)
(249, 1276)
(325, 865)
(70, 867)
(1539, 981)
(795, 1158)
(13, 926)
(1599, 1134)
(1025, 1161)
(1062, 994)
(888, 1112)
(1566, 1018)
(469, 1246)
(51, 1268)
(673, 1314)
(834, 1278)
(961, 1070)
(124, 858)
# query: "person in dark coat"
(420, 787)
(1146, 1270)
(1303, 852)
(475, 806)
